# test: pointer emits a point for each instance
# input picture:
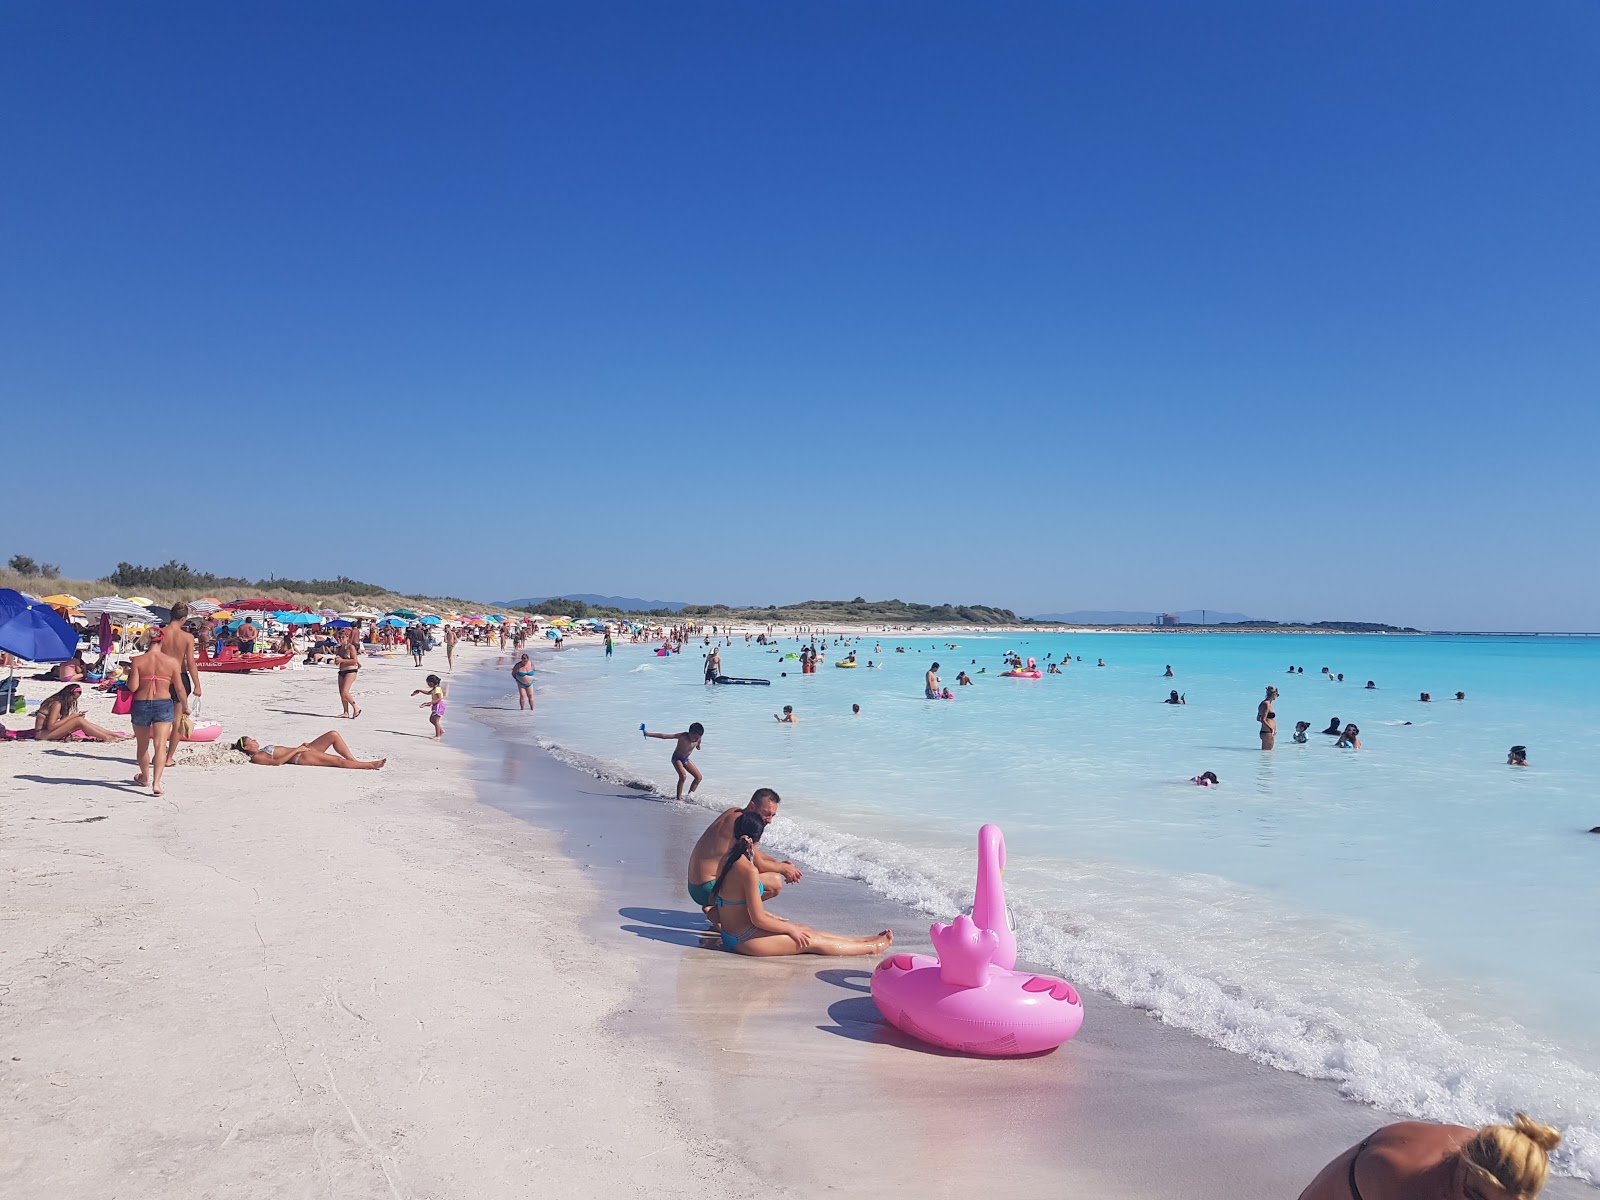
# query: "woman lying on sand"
(314, 753)
(1441, 1162)
(748, 928)
(58, 717)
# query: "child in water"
(788, 717)
(1300, 728)
(688, 743)
(434, 703)
(1206, 779)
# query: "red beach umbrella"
(262, 604)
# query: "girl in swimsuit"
(58, 718)
(1413, 1160)
(158, 700)
(522, 674)
(434, 704)
(348, 656)
(748, 928)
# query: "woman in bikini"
(348, 656)
(328, 750)
(748, 928)
(1413, 1160)
(1268, 720)
(522, 674)
(154, 678)
(58, 718)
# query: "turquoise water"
(1415, 920)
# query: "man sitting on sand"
(328, 750)
(706, 858)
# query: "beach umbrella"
(341, 623)
(396, 621)
(358, 614)
(297, 618)
(117, 607)
(33, 630)
(104, 635)
(430, 619)
(161, 614)
(204, 608)
(144, 600)
(65, 602)
(403, 612)
(552, 634)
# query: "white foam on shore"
(1296, 992)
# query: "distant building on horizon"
(1169, 619)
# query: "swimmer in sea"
(1461, 695)
(855, 710)
(1206, 779)
(1174, 698)
(1371, 687)
(1101, 663)
(930, 683)
(1350, 739)
(1334, 729)
(1518, 757)
(1425, 698)
(688, 743)
(963, 679)
(1054, 669)
(788, 717)
(1168, 674)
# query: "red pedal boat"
(244, 662)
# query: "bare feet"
(141, 781)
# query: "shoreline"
(1150, 1110)
(475, 973)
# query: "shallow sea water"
(1414, 920)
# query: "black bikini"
(1355, 1192)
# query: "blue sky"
(1289, 309)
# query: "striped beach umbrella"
(118, 608)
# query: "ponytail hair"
(1515, 1157)
(747, 831)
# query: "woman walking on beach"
(746, 927)
(450, 650)
(1413, 1160)
(1268, 720)
(58, 717)
(155, 680)
(522, 673)
(348, 657)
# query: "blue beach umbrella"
(397, 621)
(34, 631)
(341, 623)
(297, 618)
(430, 620)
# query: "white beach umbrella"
(359, 614)
(119, 609)
(203, 608)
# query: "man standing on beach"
(177, 642)
(247, 637)
(705, 860)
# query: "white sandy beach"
(300, 981)
(297, 981)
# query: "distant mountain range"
(1193, 616)
(625, 603)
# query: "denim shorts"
(152, 712)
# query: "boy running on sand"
(688, 743)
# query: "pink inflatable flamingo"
(989, 901)
(969, 998)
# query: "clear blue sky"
(1290, 309)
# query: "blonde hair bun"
(1516, 1156)
(1544, 1136)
